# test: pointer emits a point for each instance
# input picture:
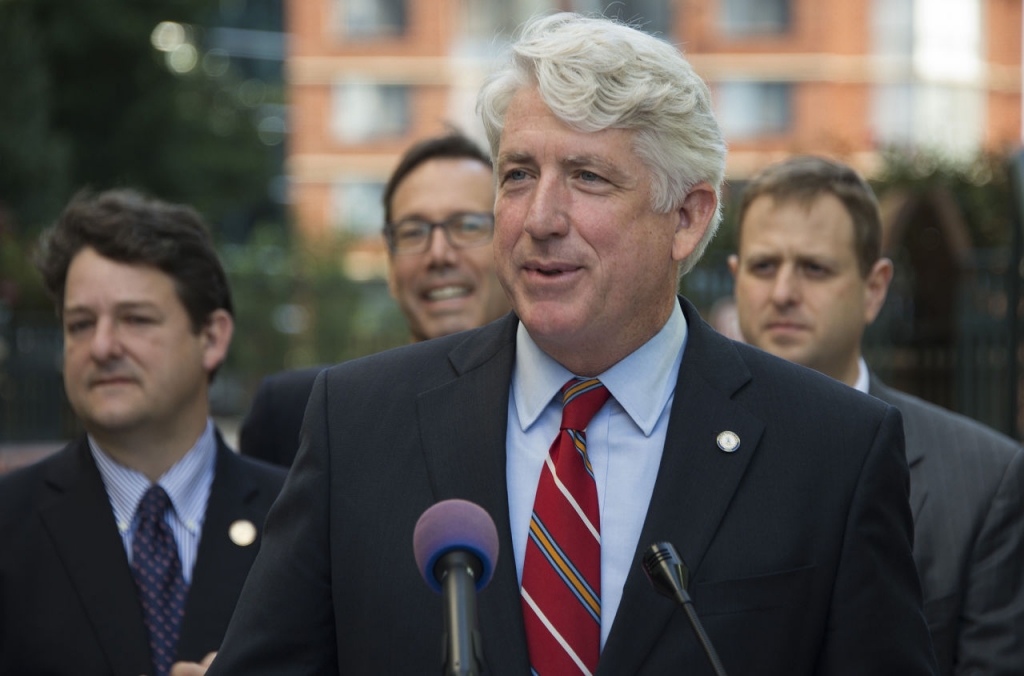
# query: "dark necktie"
(157, 570)
(561, 592)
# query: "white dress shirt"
(625, 441)
(187, 484)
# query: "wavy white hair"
(596, 73)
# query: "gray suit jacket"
(967, 497)
(68, 602)
(798, 542)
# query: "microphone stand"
(669, 577)
(463, 653)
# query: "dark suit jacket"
(967, 497)
(68, 603)
(271, 429)
(798, 542)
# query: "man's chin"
(438, 327)
(788, 349)
(107, 423)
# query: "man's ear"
(734, 264)
(876, 286)
(216, 336)
(695, 214)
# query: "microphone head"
(455, 525)
(665, 570)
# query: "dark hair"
(453, 145)
(127, 227)
(804, 179)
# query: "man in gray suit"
(809, 279)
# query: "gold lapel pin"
(728, 441)
(242, 532)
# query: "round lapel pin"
(242, 532)
(728, 441)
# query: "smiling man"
(439, 213)
(601, 416)
(439, 221)
(810, 278)
(128, 549)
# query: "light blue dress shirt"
(863, 377)
(625, 441)
(187, 484)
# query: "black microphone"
(670, 577)
(456, 547)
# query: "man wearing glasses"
(438, 209)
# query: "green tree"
(88, 101)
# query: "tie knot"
(154, 503)
(581, 399)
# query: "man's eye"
(815, 270)
(472, 226)
(77, 326)
(515, 175)
(410, 232)
(589, 176)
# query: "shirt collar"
(184, 482)
(863, 377)
(642, 383)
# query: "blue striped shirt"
(187, 484)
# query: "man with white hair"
(608, 165)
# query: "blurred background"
(280, 120)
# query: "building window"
(754, 17)
(362, 112)
(752, 109)
(892, 28)
(650, 16)
(356, 208)
(371, 18)
(892, 108)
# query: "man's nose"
(546, 216)
(786, 287)
(105, 343)
(439, 249)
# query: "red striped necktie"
(561, 592)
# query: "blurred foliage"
(21, 288)
(88, 101)
(981, 187)
(295, 306)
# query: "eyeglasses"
(412, 235)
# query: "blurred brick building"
(846, 77)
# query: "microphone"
(670, 577)
(456, 548)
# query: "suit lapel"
(80, 522)
(221, 565)
(695, 484)
(915, 452)
(468, 461)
